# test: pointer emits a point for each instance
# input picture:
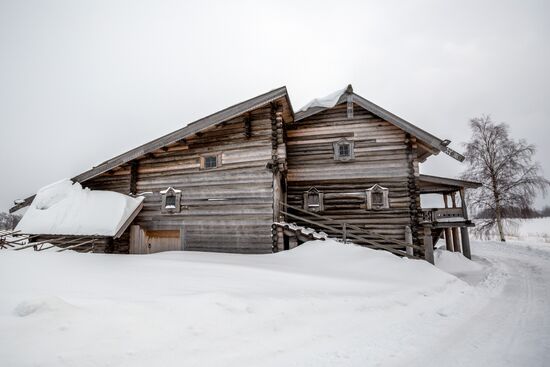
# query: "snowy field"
(530, 230)
(321, 304)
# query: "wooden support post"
(456, 237)
(463, 203)
(465, 242)
(428, 245)
(456, 240)
(409, 240)
(453, 199)
(448, 239)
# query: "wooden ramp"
(344, 232)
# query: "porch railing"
(443, 215)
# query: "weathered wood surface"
(229, 208)
(382, 156)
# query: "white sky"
(82, 81)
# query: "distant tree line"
(9, 221)
(515, 213)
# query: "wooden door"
(164, 240)
(151, 241)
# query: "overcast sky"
(82, 81)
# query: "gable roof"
(192, 128)
(437, 145)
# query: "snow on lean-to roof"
(328, 101)
(64, 208)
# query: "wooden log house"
(234, 181)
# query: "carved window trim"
(338, 148)
(371, 197)
(317, 205)
(206, 157)
(170, 201)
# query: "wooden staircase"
(348, 232)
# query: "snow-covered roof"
(65, 208)
(327, 101)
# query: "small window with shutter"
(313, 200)
(170, 200)
(343, 150)
(377, 197)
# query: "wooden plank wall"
(382, 156)
(228, 209)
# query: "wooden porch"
(452, 220)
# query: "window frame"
(344, 158)
(204, 157)
(320, 196)
(170, 192)
(377, 189)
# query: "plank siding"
(229, 208)
(382, 156)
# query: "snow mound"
(336, 259)
(67, 208)
(328, 101)
(41, 305)
(455, 262)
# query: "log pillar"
(448, 232)
(456, 239)
(428, 245)
(465, 242)
(448, 240)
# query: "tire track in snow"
(513, 328)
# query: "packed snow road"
(321, 304)
(513, 327)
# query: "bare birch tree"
(505, 167)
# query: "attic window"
(313, 200)
(343, 150)
(211, 161)
(377, 198)
(171, 200)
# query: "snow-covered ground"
(529, 230)
(321, 304)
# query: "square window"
(344, 150)
(210, 161)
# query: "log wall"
(228, 208)
(384, 155)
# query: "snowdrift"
(64, 208)
(321, 304)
